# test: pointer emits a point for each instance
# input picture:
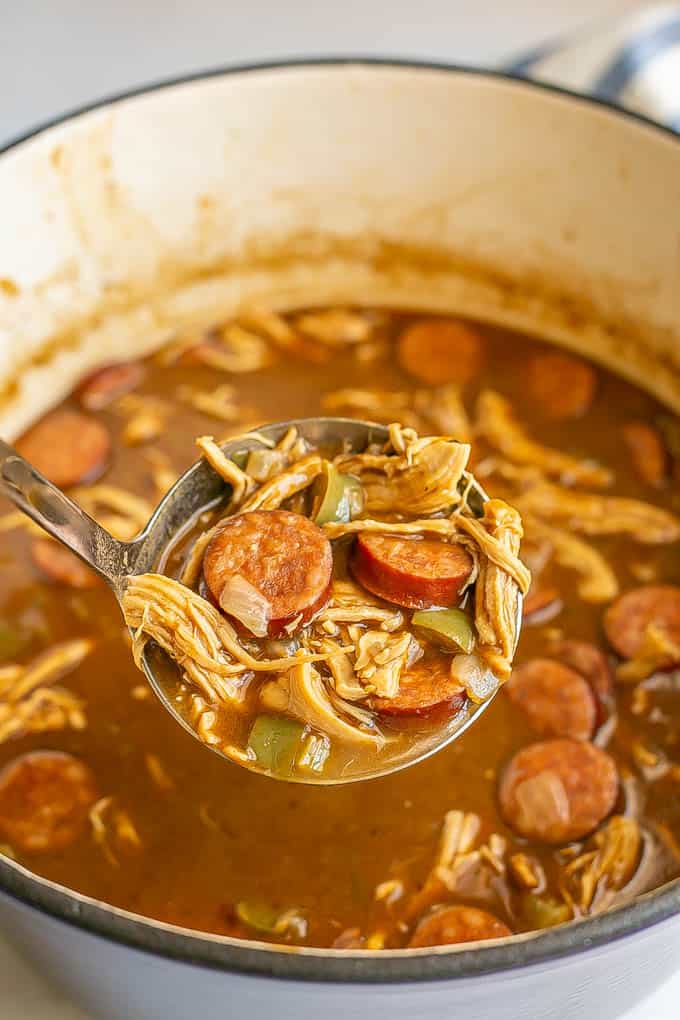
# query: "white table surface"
(59, 54)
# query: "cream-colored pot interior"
(379, 184)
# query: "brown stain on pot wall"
(569, 317)
(133, 267)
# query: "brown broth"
(221, 835)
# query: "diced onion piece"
(337, 497)
(263, 464)
(276, 740)
(543, 911)
(450, 629)
(542, 796)
(245, 603)
(477, 679)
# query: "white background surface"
(59, 54)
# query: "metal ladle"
(198, 489)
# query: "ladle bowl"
(200, 488)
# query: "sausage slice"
(284, 556)
(449, 925)
(558, 791)
(425, 686)
(416, 573)
(67, 447)
(61, 565)
(438, 351)
(627, 619)
(563, 386)
(102, 387)
(45, 797)
(647, 452)
(556, 700)
(592, 664)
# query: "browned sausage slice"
(558, 790)
(105, 385)
(416, 573)
(647, 452)
(61, 565)
(449, 925)
(562, 385)
(45, 797)
(283, 556)
(438, 351)
(627, 619)
(67, 447)
(592, 664)
(425, 686)
(556, 700)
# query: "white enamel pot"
(340, 181)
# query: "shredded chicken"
(243, 350)
(593, 514)
(195, 635)
(607, 867)
(344, 678)
(497, 425)
(219, 403)
(459, 867)
(241, 484)
(302, 692)
(113, 829)
(45, 710)
(194, 562)
(380, 659)
(496, 593)
(351, 604)
(29, 701)
(439, 410)
(423, 478)
(96, 499)
(146, 418)
(525, 871)
(597, 581)
(272, 326)
(335, 327)
(273, 493)
(158, 772)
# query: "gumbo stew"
(560, 801)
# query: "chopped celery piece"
(337, 498)
(262, 917)
(240, 458)
(259, 916)
(544, 911)
(275, 739)
(450, 629)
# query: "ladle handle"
(60, 517)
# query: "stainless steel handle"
(60, 517)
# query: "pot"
(341, 181)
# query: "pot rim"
(312, 964)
